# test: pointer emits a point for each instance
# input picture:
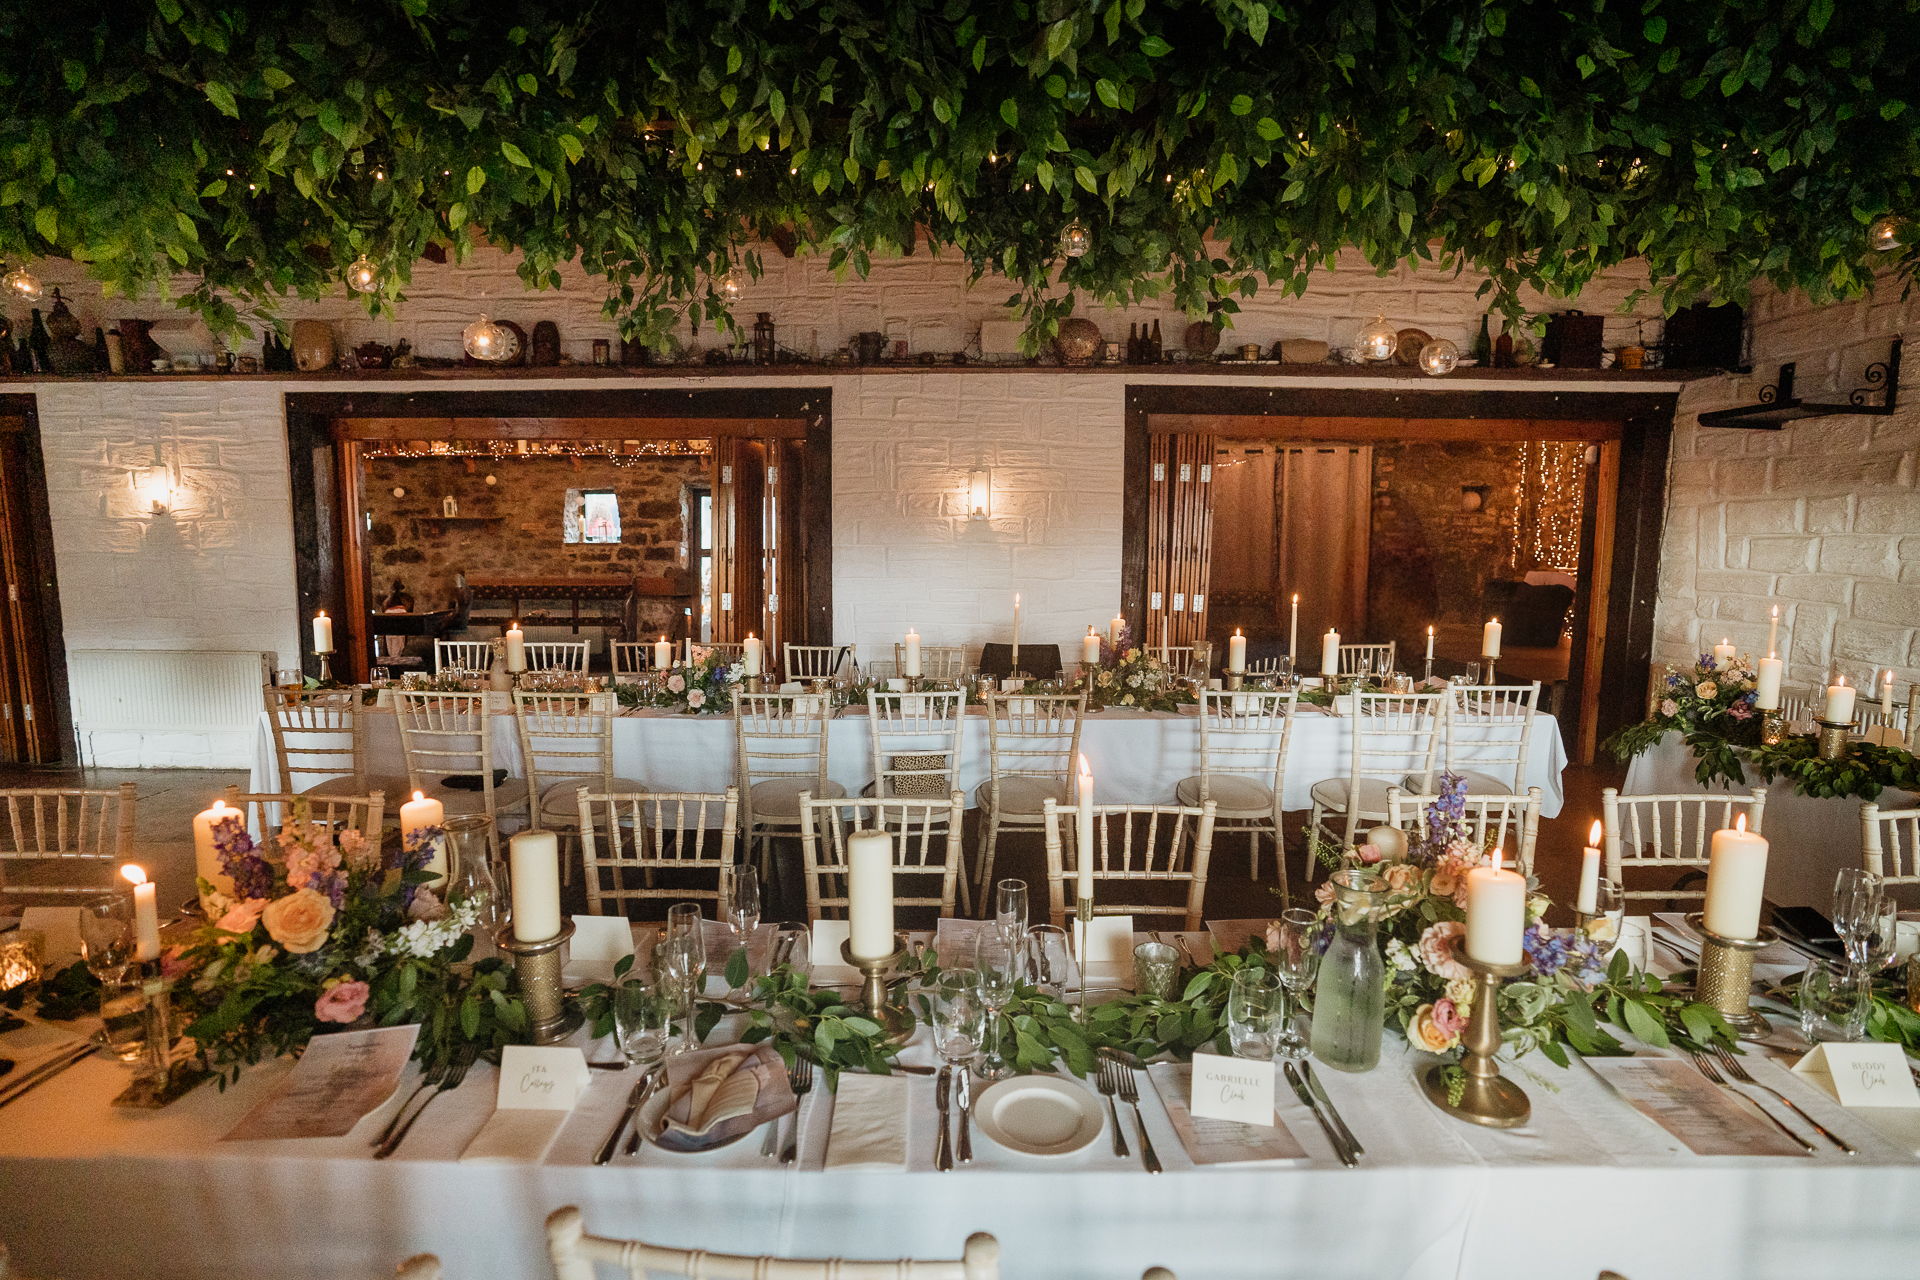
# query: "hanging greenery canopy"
(1212, 147)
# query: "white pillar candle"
(662, 654)
(1330, 656)
(1083, 884)
(322, 633)
(1114, 629)
(1236, 652)
(1767, 684)
(1496, 914)
(1089, 649)
(750, 653)
(1886, 696)
(421, 812)
(1839, 709)
(206, 859)
(1723, 654)
(1490, 639)
(912, 668)
(1016, 651)
(1736, 881)
(687, 647)
(1773, 633)
(533, 859)
(1587, 900)
(146, 916)
(1429, 643)
(870, 894)
(517, 661)
(1293, 634)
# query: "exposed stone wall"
(1431, 555)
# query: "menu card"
(1701, 1114)
(1217, 1141)
(953, 941)
(339, 1079)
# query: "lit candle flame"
(419, 795)
(1740, 824)
(134, 874)
(1593, 836)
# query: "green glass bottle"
(1483, 345)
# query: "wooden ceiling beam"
(1286, 427)
(566, 428)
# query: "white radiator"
(155, 708)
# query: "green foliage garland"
(1212, 145)
(1863, 772)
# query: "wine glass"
(1054, 969)
(678, 970)
(685, 925)
(743, 907)
(958, 1017)
(1857, 899)
(1472, 676)
(1010, 908)
(106, 935)
(1296, 964)
(999, 964)
(1883, 942)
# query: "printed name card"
(598, 943)
(538, 1088)
(1232, 1089)
(1861, 1075)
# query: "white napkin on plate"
(869, 1124)
(724, 1088)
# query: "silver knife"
(637, 1096)
(1320, 1092)
(1306, 1100)
(47, 1070)
(943, 1149)
(963, 1094)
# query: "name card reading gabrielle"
(1232, 1089)
(1861, 1075)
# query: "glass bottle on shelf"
(1483, 345)
(1350, 995)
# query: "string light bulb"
(1887, 234)
(363, 276)
(1438, 358)
(1076, 240)
(1379, 339)
(21, 285)
(485, 340)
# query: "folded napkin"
(726, 1087)
(869, 1124)
(515, 1137)
(717, 1094)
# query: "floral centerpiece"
(701, 686)
(323, 929)
(1131, 677)
(1712, 707)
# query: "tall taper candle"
(1496, 914)
(1163, 640)
(1016, 662)
(1886, 698)
(1773, 633)
(146, 916)
(870, 894)
(1736, 881)
(1293, 634)
(1586, 902)
(534, 861)
(1330, 656)
(1429, 643)
(1083, 882)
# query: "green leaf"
(1155, 47)
(851, 168)
(1257, 18)
(1655, 30)
(1586, 65)
(1242, 105)
(1059, 38)
(217, 187)
(1010, 112)
(220, 96)
(1819, 14)
(528, 85)
(734, 59)
(275, 78)
(476, 179)
(821, 181)
(1268, 128)
(1043, 174)
(515, 155)
(1644, 1025)
(571, 146)
(737, 969)
(46, 220)
(1294, 191)
(1084, 176)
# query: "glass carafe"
(469, 870)
(1350, 996)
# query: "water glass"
(1053, 967)
(1010, 908)
(106, 935)
(1295, 963)
(742, 906)
(1883, 938)
(1156, 967)
(679, 970)
(1830, 1001)
(1472, 676)
(999, 965)
(1253, 1013)
(123, 1003)
(959, 1017)
(642, 1021)
(683, 921)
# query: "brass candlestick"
(1773, 726)
(536, 970)
(1487, 661)
(1724, 978)
(893, 1016)
(1427, 679)
(756, 684)
(1833, 738)
(326, 669)
(1488, 1098)
(1233, 680)
(160, 1080)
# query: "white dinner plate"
(1039, 1115)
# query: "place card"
(538, 1089)
(1237, 1089)
(339, 1079)
(1108, 958)
(1701, 1114)
(61, 925)
(1861, 1075)
(598, 943)
(830, 968)
(1210, 1141)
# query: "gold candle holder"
(1833, 738)
(1232, 681)
(1487, 662)
(1773, 727)
(160, 1079)
(893, 1015)
(1489, 1098)
(756, 684)
(326, 670)
(1724, 978)
(536, 971)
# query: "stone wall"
(1431, 556)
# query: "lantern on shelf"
(21, 285)
(729, 285)
(1438, 358)
(763, 338)
(1887, 234)
(485, 340)
(1378, 340)
(362, 277)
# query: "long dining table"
(1138, 757)
(94, 1192)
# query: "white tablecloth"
(93, 1192)
(1137, 758)
(1809, 838)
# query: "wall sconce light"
(155, 487)
(979, 493)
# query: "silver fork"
(462, 1059)
(800, 1080)
(1740, 1073)
(1706, 1068)
(1130, 1093)
(429, 1079)
(1109, 1085)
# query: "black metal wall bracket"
(1778, 406)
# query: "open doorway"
(35, 722)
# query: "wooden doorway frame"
(1620, 532)
(55, 701)
(322, 420)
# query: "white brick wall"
(1821, 518)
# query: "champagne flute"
(743, 908)
(1858, 896)
(685, 925)
(1010, 908)
(1296, 963)
(999, 963)
(677, 972)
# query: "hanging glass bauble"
(1076, 240)
(1439, 358)
(21, 285)
(485, 340)
(1378, 340)
(1887, 234)
(363, 276)
(730, 286)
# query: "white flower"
(1133, 682)
(1399, 957)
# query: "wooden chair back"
(267, 812)
(574, 1253)
(926, 842)
(556, 655)
(442, 734)
(1497, 720)
(1246, 733)
(779, 735)
(917, 741)
(462, 655)
(565, 735)
(318, 734)
(1490, 818)
(815, 661)
(1890, 843)
(1378, 657)
(1032, 736)
(631, 657)
(630, 836)
(89, 830)
(937, 661)
(1669, 831)
(1171, 843)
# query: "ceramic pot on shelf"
(313, 350)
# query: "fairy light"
(619, 453)
(1553, 478)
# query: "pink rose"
(173, 962)
(426, 906)
(243, 916)
(676, 683)
(1369, 854)
(1447, 1018)
(696, 699)
(1435, 949)
(1323, 893)
(342, 1002)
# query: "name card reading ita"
(1232, 1089)
(1861, 1075)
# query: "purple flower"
(231, 842)
(252, 877)
(1546, 949)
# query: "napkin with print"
(869, 1123)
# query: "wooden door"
(28, 721)
(1323, 504)
(1179, 539)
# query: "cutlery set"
(957, 1082)
(1313, 1096)
(38, 1075)
(1717, 1060)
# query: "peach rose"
(1401, 876)
(1425, 1032)
(1443, 884)
(299, 921)
(342, 1002)
(242, 916)
(1435, 950)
